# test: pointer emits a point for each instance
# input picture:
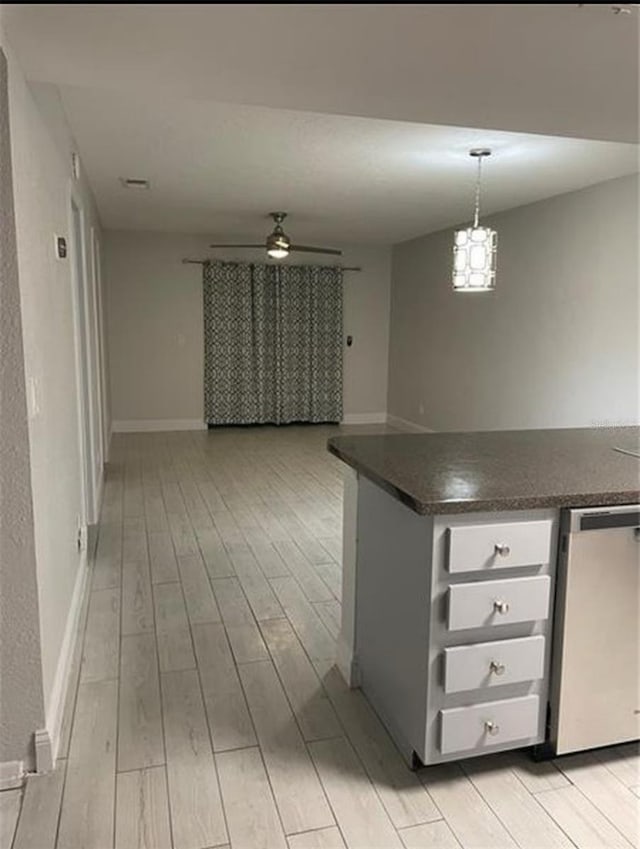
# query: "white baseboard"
(364, 418)
(61, 681)
(405, 424)
(155, 425)
(12, 774)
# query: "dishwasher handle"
(603, 518)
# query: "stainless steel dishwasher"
(595, 685)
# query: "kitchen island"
(450, 558)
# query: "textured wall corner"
(21, 696)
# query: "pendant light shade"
(474, 248)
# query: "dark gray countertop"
(499, 470)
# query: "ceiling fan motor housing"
(278, 239)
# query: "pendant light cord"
(476, 217)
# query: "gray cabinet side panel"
(392, 614)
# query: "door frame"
(101, 360)
(82, 324)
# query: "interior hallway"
(204, 710)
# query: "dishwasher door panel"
(598, 675)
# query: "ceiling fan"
(278, 244)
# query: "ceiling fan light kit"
(277, 252)
(278, 244)
(474, 248)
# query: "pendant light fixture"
(474, 249)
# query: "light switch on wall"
(33, 400)
(181, 340)
(60, 244)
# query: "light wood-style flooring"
(204, 710)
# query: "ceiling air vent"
(134, 183)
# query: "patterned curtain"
(273, 343)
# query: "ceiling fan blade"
(238, 246)
(311, 250)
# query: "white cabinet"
(486, 604)
(494, 664)
(452, 651)
(489, 723)
(496, 545)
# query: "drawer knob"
(496, 667)
(501, 606)
(491, 728)
(502, 549)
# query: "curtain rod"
(227, 262)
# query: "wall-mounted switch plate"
(75, 165)
(61, 247)
(33, 399)
(82, 538)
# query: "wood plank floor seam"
(496, 802)
(535, 794)
(306, 742)
(592, 830)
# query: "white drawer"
(501, 546)
(493, 664)
(489, 603)
(489, 724)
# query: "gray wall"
(42, 187)
(154, 306)
(556, 345)
(21, 696)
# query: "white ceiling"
(221, 168)
(552, 68)
(157, 91)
